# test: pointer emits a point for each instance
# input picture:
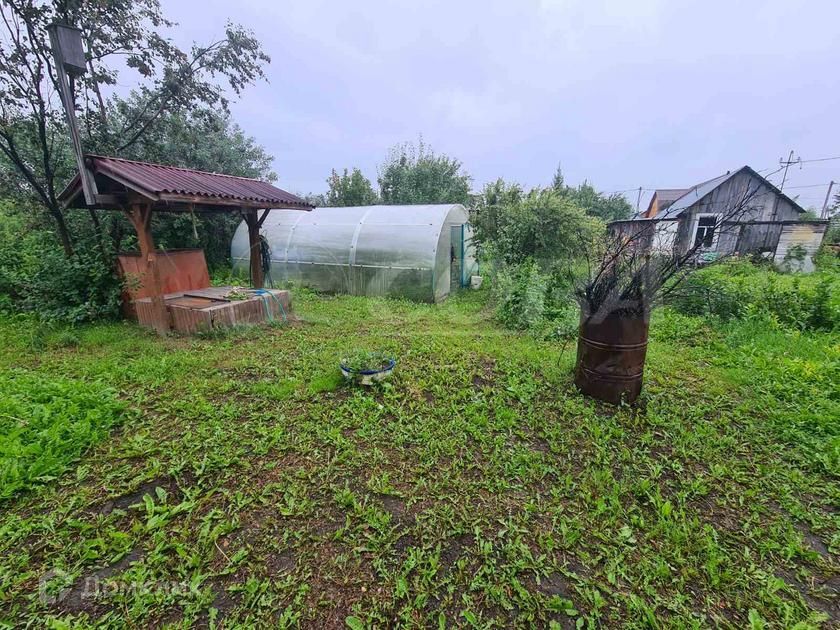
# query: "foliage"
(794, 257)
(490, 212)
(541, 225)
(33, 139)
(415, 174)
(46, 423)
(36, 276)
(527, 298)
(532, 244)
(350, 189)
(479, 479)
(203, 138)
(360, 360)
(606, 207)
(738, 288)
(832, 233)
(521, 296)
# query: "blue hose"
(263, 293)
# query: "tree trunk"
(63, 231)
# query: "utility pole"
(69, 58)
(824, 213)
(638, 199)
(786, 164)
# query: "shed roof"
(695, 194)
(698, 192)
(164, 183)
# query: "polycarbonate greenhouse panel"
(399, 251)
(402, 246)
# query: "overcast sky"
(651, 93)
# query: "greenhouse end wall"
(396, 251)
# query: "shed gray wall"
(758, 238)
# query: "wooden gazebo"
(140, 188)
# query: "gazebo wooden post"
(140, 215)
(254, 224)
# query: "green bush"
(531, 244)
(541, 225)
(36, 276)
(521, 293)
(527, 298)
(46, 423)
(736, 288)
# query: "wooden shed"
(679, 220)
(140, 188)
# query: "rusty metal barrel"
(611, 356)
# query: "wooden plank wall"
(808, 236)
(188, 320)
(758, 237)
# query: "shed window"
(704, 236)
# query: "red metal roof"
(171, 183)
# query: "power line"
(808, 186)
(826, 159)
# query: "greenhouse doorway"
(456, 258)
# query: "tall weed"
(46, 423)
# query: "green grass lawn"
(244, 484)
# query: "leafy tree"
(415, 174)
(606, 207)
(542, 225)
(489, 212)
(32, 137)
(545, 227)
(203, 138)
(350, 189)
(558, 182)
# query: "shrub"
(77, 289)
(36, 276)
(531, 243)
(541, 225)
(521, 292)
(735, 288)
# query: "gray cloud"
(645, 93)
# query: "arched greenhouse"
(421, 252)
